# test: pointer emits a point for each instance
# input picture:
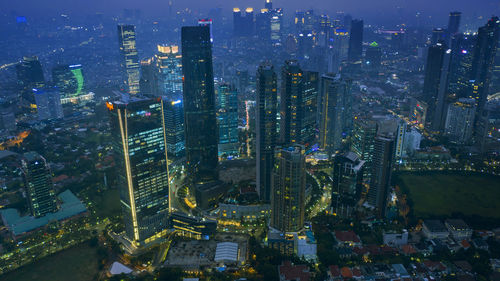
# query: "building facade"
(129, 58)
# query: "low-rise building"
(193, 227)
(434, 229)
(395, 239)
(458, 229)
(347, 238)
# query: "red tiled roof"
(408, 249)
(334, 271)
(346, 272)
(347, 236)
(294, 272)
(465, 244)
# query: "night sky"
(360, 8)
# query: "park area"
(443, 194)
(79, 263)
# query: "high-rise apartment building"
(347, 183)
(173, 112)
(288, 194)
(363, 143)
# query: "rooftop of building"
(435, 226)
(457, 224)
(347, 236)
(71, 206)
(226, 251)
(290, 271)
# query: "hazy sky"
(358, 8)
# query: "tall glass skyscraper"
(29, 75)
(383, 158)
(174, 127)
(356, 41)
(129, 58)
(139, 142)
(267, 103)
(169, 65)
(288, 195)
(199, 104)
(483, 60)
(227, 119)
(335, 117)
(38, 183)
(291, 111)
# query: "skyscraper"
(263, 25)
(129, 58)
(288, 194)
(276, 25)
(461, 65)
(310, 107)
(269, 4)
(29, 75)
(482, 61)
(292, 109)
(173, 112)
(48, 103)
(140, 147)
(243, 24)
(169, 65)
(435, 84)
(148, 83)
(460, 120)
(347, 183)
(363, 144)
(69, 80)
(267, 103)
(335, 115)
(454, 22)
(380, 183)
(199, 103)
(227, 120)
(338, 50)
(356, 41)
(38, 183)
(373, 57)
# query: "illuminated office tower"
(380, 182)
(169, 66)
(69, 80)
(335, 114)
(48, 103)
(209, 23)
(292, 110)
(338, 50)
(29, 76)
(38, 183)
(460, 120)
(173, 112)
(227, 120)
(267, 103)
(356, 41)
(148, 84)
(199, 104)
(299, 21)
(435, 84)
(483, 60)
(288, 193)
(139, 145)
(276, 25)
(363, 143)
(129, 58)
